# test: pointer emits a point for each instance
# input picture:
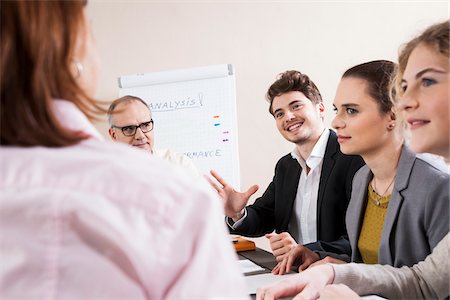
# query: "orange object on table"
(241, 244)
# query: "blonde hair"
(436, 37)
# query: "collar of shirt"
(317, 153)
(71, 117)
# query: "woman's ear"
(393, 115)
(393, 118)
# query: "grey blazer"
(417, 217)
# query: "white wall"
(261, 39)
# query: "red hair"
(37, 47)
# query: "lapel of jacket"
(327, 167)
(290, 190)
(356, 208)
(405, 164)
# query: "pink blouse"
(101, 220)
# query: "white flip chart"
(194, 112)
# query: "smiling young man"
(310, 191)
(130, 121)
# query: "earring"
(79, 68)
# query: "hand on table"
(307, 285)
(281, 244)
(299, 255)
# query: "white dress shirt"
(178, 159)
(303, 223)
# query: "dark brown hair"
(124, 99)
(38, 40)
(378, 75)
(436, 37)
(293, 81)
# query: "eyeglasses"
(131, 130)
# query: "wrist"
(331, 273)
(237, 216)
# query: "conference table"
(263, 276)
(260, 257)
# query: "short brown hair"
(38, 40)
(124, 99)
(293, 81)
(436, 37)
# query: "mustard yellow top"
(372, 226)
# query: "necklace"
(379, 196)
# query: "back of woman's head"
(436, 37)
(37, 47)
(378, 76)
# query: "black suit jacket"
(273, 210)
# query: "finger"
(284, 288)
(281, 271)
(277, 253)
(305, 264)
(334, 291)
(276, 269)
(268, 295)
(213, 184)
(282, 267)
(250, 191)
(274, 238)
(291, 260)
(309, 292)
(308, 262)
(281, 251)
(308, 258)
(264, 293)
(276, 244)
(285, 235)
(260, 293)
(281, 257)
(218, 178)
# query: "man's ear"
(321, 109)
(112, 134)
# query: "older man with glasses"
(130, 121)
